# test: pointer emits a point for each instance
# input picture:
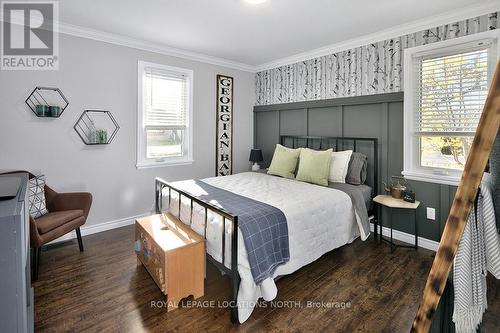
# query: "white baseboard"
(100, 227)
(408, 238)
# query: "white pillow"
(339, 166)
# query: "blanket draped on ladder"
(478, 253)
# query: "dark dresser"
(16, 301)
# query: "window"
(445, 86)
(164, 115)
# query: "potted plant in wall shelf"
(94, 126)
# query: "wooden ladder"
(464, 199)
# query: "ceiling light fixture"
(255, 2)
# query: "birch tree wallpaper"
(366, 70)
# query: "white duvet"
(319, 219)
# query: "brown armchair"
(67, 212)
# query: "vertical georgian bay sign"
(224, 141)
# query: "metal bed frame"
(228, 217)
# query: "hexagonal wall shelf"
(96, 127)
(47, 102)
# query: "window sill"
(153, 164)
(432, 177)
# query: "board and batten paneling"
(320, 121)
(294, 122)
(267, 129)
(379, 116)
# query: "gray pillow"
(37, 197)
(356, 171)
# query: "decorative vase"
(102, 136)
(54, 111)
(41, 110)
(92, 136)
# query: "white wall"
(97, 75)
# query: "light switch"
(431, 213)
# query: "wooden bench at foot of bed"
(174, 256)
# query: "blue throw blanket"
(263, 227)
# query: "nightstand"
(392, 203)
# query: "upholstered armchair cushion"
(56, 219)
(60, 231)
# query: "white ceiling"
(254, 34)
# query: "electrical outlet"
(431, 213)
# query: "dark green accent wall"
(379, 116)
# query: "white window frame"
(142, 160)
(412, 168)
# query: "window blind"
(165, 99)
(451, 92)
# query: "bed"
(319, 218)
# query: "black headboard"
(340, 143)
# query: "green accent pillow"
(284, 162)
(314, 166)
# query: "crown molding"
(122, 40)
(400, 30)
(101, 36)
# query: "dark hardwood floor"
(102, 290)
